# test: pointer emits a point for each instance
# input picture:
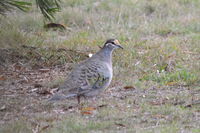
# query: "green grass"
(17, 126)
(80, 125)
(161, 51)
(180, 77)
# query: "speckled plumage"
(91, 76)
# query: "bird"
(90, 77)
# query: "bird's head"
(112, 44)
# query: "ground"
(156, 83)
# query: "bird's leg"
(78, 98)
(80, 106)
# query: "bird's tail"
(57, 97)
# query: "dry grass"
(160, 61)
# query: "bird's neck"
(105, 55)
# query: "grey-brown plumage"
(91, 76)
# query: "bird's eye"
(112, 42)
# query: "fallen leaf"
(120, 124)
(2, 78)
(103, 105)
(159, 116)
(88, 109)
(44, 91)
(45, 127)
(35, 89)
(44, 70)
(53, 91)
(129, 87)
(3, 108)
(37, 85)
(86, 113)
(171, 83)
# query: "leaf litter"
(24, 91)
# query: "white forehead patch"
(116, 41)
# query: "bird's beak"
(119, 46)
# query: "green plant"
(47, 7)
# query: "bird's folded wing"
(88, 79)
(100, 81)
